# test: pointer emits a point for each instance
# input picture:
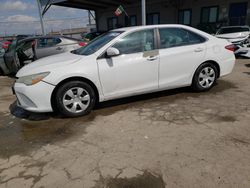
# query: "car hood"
(233, 35)
(48, 63)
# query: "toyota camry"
(121, 63)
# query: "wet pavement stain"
(247, 65)
(236, 140)
(226, 118)
(20, 136)
(239, 141)
(248, 73)
(221, 86)
(147, 180)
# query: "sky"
(21, 17)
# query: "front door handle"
(152, 58)
(59, 48)
(198, 49)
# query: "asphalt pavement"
(175, 138)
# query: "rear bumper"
(227, 66)
(35, 98)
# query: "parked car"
(122, 63)
(2, 51)
(3, 68)
(30, 49)
(91, 36)
(239, 36)
(19, 37)
(5, 44)
(233, 33)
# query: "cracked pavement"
(174, 138)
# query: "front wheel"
(75, 98)
(205, 77)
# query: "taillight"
(231, 47)
(82, 43)
(33, 43)
(5, 46)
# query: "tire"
(74, 99)
(205, 77)
(1, 72)
(16, 65)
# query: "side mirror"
(111, 52)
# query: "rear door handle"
(198, 49)
(152, 58)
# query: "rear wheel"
(75, 98)
(205, 77)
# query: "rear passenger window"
(173, 37)
(48, 42)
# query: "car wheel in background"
(205, 77)
(16, 64)
(75, 98)
(1, 72)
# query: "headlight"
(32, 79)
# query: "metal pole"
(89, 17)
(41, 17)
(143, 10)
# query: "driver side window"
(139, 41)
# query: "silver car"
(27, 50)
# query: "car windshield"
(97, 43)
(233, 30)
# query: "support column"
(41, 17)
(143, 10)
(89, 17)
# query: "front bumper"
(35, 98)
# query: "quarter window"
(173, 37)
(209, 14)
(136, 42)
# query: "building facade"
(207, 15)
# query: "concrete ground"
(169, 139)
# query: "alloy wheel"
(207, 77)
(76, 100)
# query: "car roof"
(244, 26)
(125, 29)
(46, 36)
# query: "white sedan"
(122, 63)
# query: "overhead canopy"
(88, 4)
